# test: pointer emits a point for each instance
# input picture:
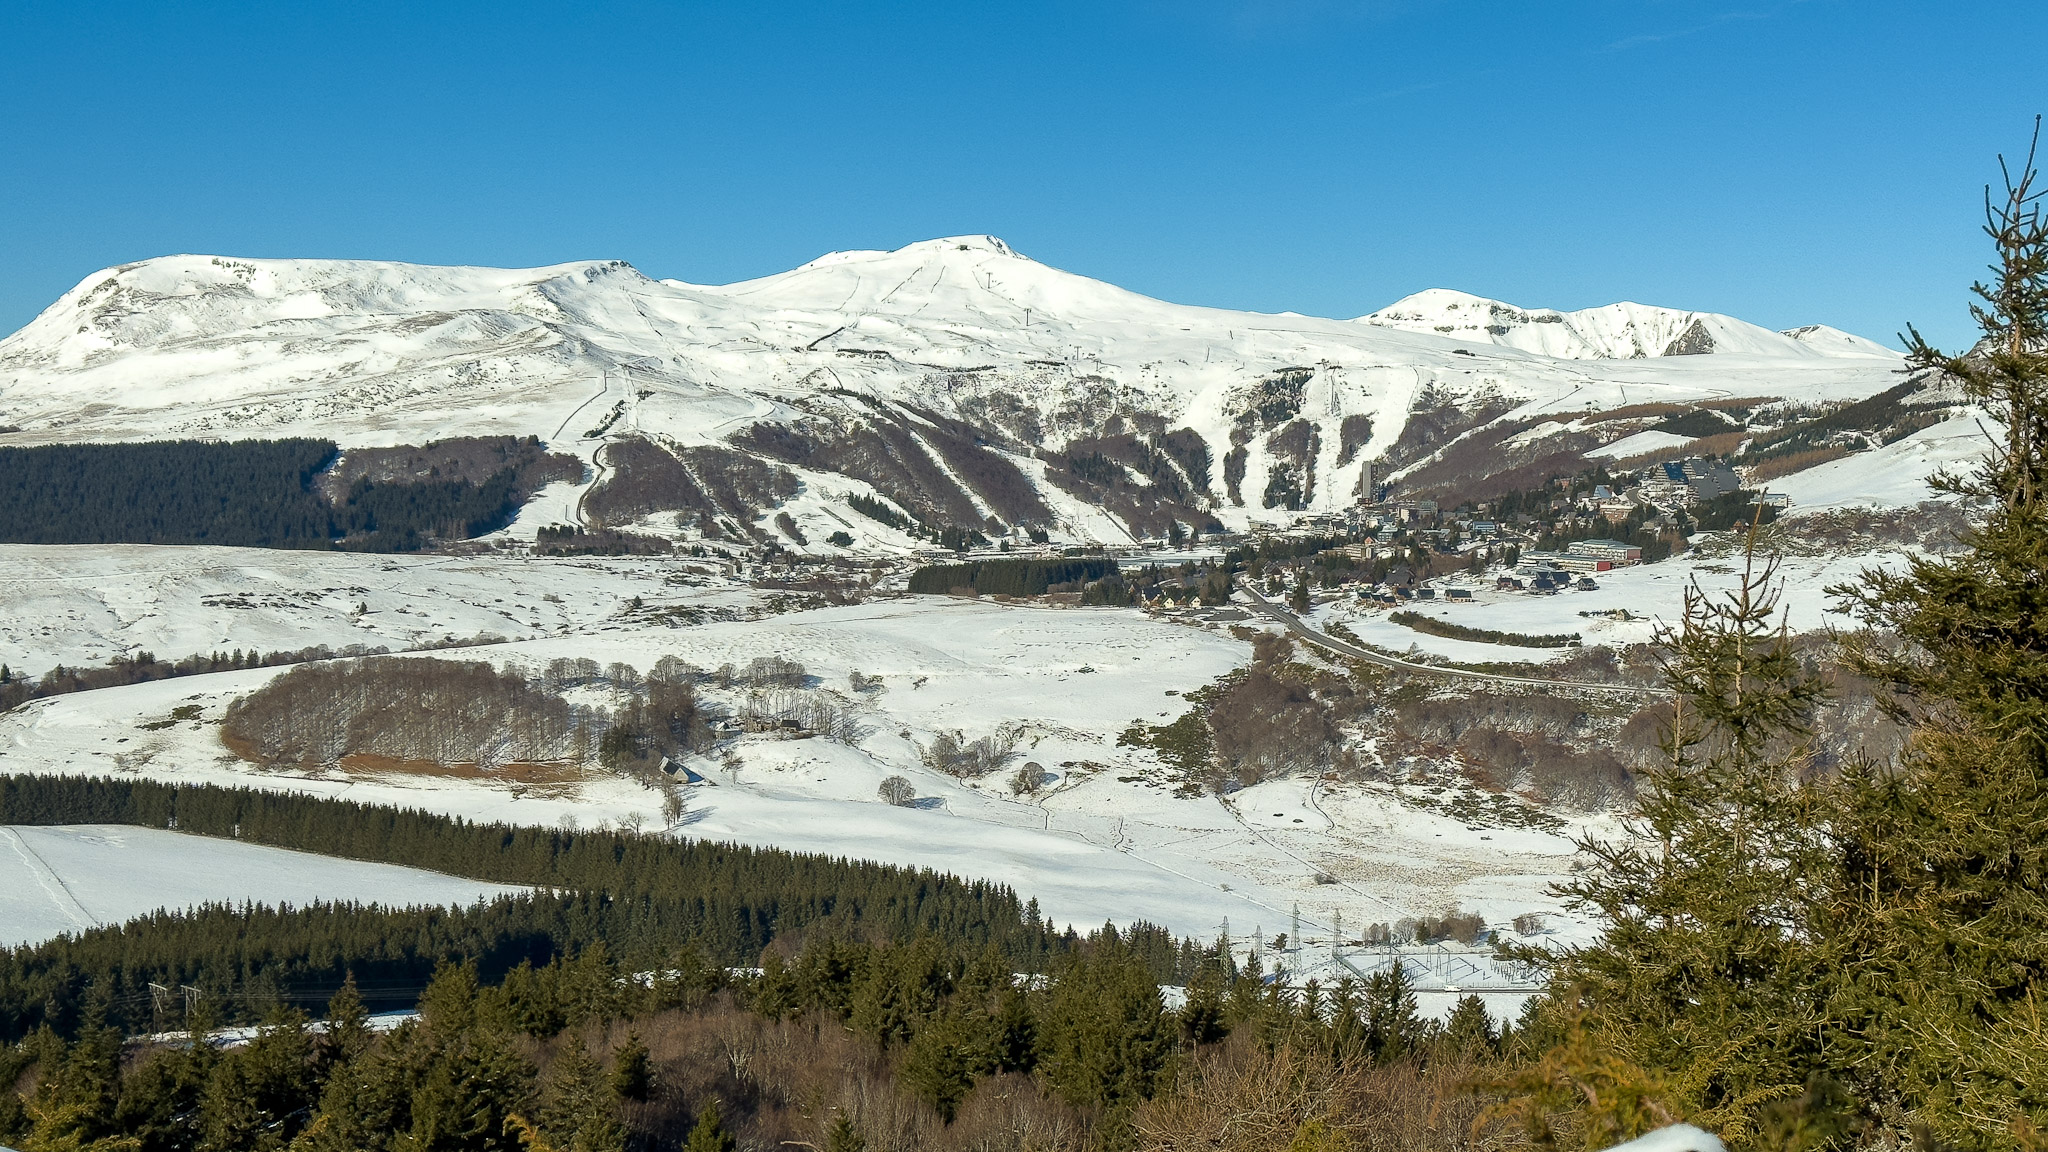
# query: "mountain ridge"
(955, 379)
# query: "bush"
(951, 753)
(1026, 781)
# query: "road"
(1292, 623)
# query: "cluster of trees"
(144, 666)
(1455, 631)
(570, 540)
(1274, 717)
(952, 753)
(409, 709)
(643, 896)
(927, 1042)
(1020, 577)
(250, 493)
(428, 710)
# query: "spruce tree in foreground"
(1943, 956)
(1806, 965)
(1704, 979)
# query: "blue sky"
(1784, 162)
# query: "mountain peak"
(1621, 331)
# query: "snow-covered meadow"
(55, 880)
(1107, 839)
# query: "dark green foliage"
(1944, 901)
(1009, 577)
(1696, 423)
(578, 1103)
(254, 493)
(1449, 630)
(1731, 510)
(644, 896)
(632, 1073)
(844, 1137)
(249, 493)
(1708, 968)
(708, 1134)
(874, 509)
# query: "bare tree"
(897, 790)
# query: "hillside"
(955, 382)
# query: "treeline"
(644, 897)
(250, 493)
(144, 667)
(1020, 577)
(1451, 631)
(843, 1045)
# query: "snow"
(1623, 331)
(1650, 595)
(1672, 1138)
(379, 353)
(86, 604)
(1650, 440)
(1109, 840)
(69, 878)
(1893, 476)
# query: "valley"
(765, 466)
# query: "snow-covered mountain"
(1616, 331)
(955, 379)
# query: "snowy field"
(88, 603)
(67, 879)
(1650, 594)
(1109, 840)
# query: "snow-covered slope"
(953, 377)
(1622, 331)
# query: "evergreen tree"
(843, 1136)
(941, 1064)
(632, 1071)
(577, 1104)
(1469, 1031)
(1944, 887)
(1711, 902)
(347, 1033)
(709, 1134)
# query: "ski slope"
(378, 353)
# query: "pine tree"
(843, 1136)
(709, 1134)
(1944, 891)
(577, 1104)
(347, 1034)
(632, 1070)
(1469, 1031)
(1712, 900)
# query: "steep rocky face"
(955, 381)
